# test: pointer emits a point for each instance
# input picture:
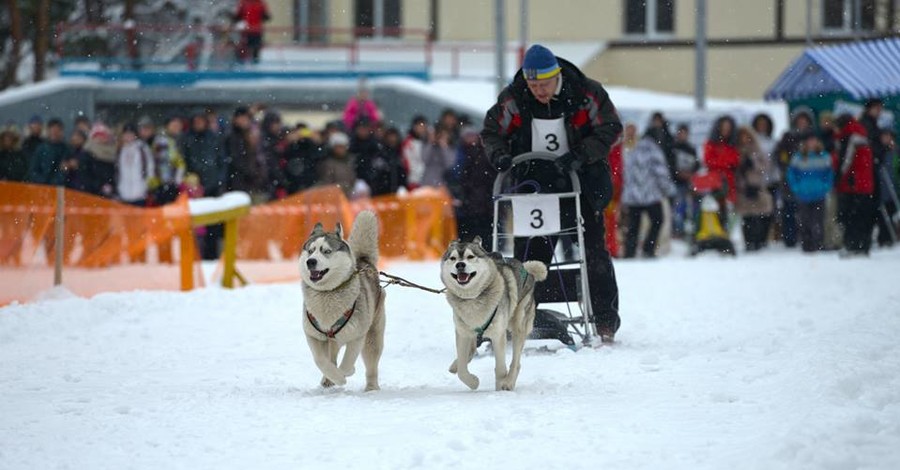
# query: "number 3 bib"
(549, 135)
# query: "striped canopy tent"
(857, 70)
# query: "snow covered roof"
(866, 69)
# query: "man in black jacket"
(551, 106)
(204, 157)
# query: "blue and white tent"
(864, 69)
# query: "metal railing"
(147, 46)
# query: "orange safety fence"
(109, 246)
(414, 226)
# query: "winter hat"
(130, 127)
(872, 102)
(468, 131)
(539, 63)
(338, 138)
(145, 121)
(36, 120)
(100, 132)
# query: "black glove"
(567, 162)
(503, 162)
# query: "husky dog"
(489, 295)
(343, 303)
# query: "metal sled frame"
(580, 326)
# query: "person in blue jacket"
(810, 177)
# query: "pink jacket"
(356, 109)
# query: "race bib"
(535, 215)
(549, 135)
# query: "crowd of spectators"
(149, 163)
(825, 186)
(828, 186)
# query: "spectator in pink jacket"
(359, 106)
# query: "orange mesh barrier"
(136, 247)
(415, 226)
(97, 233)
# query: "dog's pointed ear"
(339, 230)
(477, 240)
(318, 229)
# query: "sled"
(566, 286)
(709, 234)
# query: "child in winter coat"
(810, 178)
(134, 169)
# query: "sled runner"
(536, 214)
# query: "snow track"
(777, 360)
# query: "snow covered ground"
(777, 361)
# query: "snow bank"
(776, 360)
(37, 90)
(228, 201)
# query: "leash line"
(391, 279)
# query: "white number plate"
(535, 215)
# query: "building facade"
(648, 43)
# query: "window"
(312, 21)
(841, 15)
(649, 17)
(378, 18)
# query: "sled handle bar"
(531, 156)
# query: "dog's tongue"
(462, 277)
(315, 275)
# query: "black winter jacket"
(592, 127)
(204, 157)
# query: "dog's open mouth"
(316, 276)
(463, 278)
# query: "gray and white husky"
(490, 295)
(343, 302)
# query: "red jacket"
(723, 159)
(615, 169)
(254, 13)
(854, 163)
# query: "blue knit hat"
(539, 63)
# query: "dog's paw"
(452, 368)
(505, 385)
(470, 380)
(372, 387)
(328, 383)
(348, 371)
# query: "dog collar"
(338, 325)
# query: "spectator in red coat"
(721, 154)
(855, 170)
(249, 17)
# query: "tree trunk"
(93, 11)
(130, 33)
(41, 39)
(15, 54)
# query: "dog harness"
(523, 276)
(338, 325)
(480, 330)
